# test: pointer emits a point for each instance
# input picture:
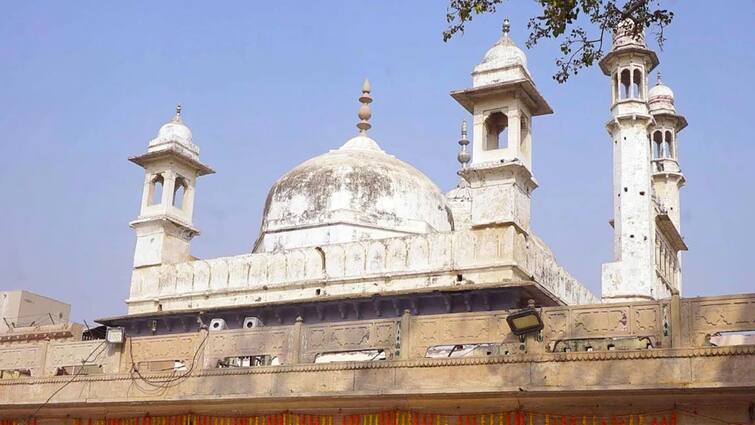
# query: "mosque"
(370, 297)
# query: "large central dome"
(353, 193)
(357, 192)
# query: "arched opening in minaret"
(496, 129)
(179, 192)
(626, 84)
(637, 84)
(657, 144)
(156, 190)
(669, 142)
(615, 87)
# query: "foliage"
(562, 19)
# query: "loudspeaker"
(252, 322)
(218, 325)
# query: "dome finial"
(658, 81)
(463, 155)
(177, 118)
(506, 26)
(364, 111)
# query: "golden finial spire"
(364, 111)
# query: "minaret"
(164, 227)
(667, 182)
(631, 277)
(667, 174)
(503, 99)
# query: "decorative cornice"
(173, 153)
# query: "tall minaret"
(667, 182)
(502, 101)
(164, 226)
(631, 277)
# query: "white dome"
(175, 131)
(175, 134)
(660, 90)
(357, 192)
(503, 54)
(661, 97)
(505, 61)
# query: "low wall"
(665, 324)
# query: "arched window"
(657, 144)
(626, 83)
(156, 190)
(179, 192)
(637, 85)
(496, 127)
(669, 142)
(615, 87)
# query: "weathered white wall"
(631, 275)
(490, 257)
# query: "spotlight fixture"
(525, 321)
(115, 335)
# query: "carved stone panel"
(428, 331)
(29, 357)
(707, 316)
(248, 342)
(724, 315)
(604, 322)
(556, 324)
(157, 348)
(646, 320)
(75, 353)
(378, 334)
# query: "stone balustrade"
(494, 257)
(671, 323)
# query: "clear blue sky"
(266, 85)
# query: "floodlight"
(525, 321)
(115, 335)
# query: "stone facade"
(654, 354)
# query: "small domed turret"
(505, 61)
(175, 132)
(661, 97)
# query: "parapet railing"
(302, 273)
(668, 323)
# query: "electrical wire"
(73, 378)
(172, 380)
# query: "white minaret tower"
(631, 277)
(164, 226)
(667, 174)
(667, 182)
(503, 99)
